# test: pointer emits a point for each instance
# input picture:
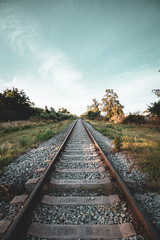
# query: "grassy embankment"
(16, 137)
(139, 142)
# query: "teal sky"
(64, 53)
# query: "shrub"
(92, 115)
(154, 109)
(134, 118)
(118, 142)
(44, 135)
(24, 141)
(110, 126)
(5, 147)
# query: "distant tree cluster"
(110, 107)
(15, 105)
(63, 110)
(93, 111)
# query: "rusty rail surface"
(19, 225)
(136, 210)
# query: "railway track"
(79, 196)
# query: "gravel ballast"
(126, 168)
(101, 214)
(23, 168)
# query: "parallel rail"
(136, 210)
(18, 226)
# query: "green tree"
(90, 114)
(63, 110)
(46, 109)
(93, 110)
(94, 106)
(15, 105)
(154, 108)
(111, 105)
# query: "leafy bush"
(24, 141)
(44, 135)
(154, 109)
(134, 118)
(110, 126)
(118, 142)
(5, 147)
(91, 114)
(15, 106)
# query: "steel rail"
(136, 210)
(19, 225)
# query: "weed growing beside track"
(17, 137)
(139, 142)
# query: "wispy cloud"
(54, 80)
(57, 68)
(16, 28)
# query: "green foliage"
(134, 118)
(111, 105)
(154, 109)
(14, 105)
(93, 111)
(24, 141)
(94, 106)
(118, 142)
(43, 136)
(3, 162)
(110, 126)
(63, 110)
(92, 115)
(14, 143)
(5, 147)
(141, 143)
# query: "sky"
(64, 53)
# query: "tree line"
(15, 105)
(111, 109)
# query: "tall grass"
(4, 147)
(27, 134)
(24, 141)
(141, 143)
(43, 136)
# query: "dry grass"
(5, 125)
(141, 143)
(16, 137)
